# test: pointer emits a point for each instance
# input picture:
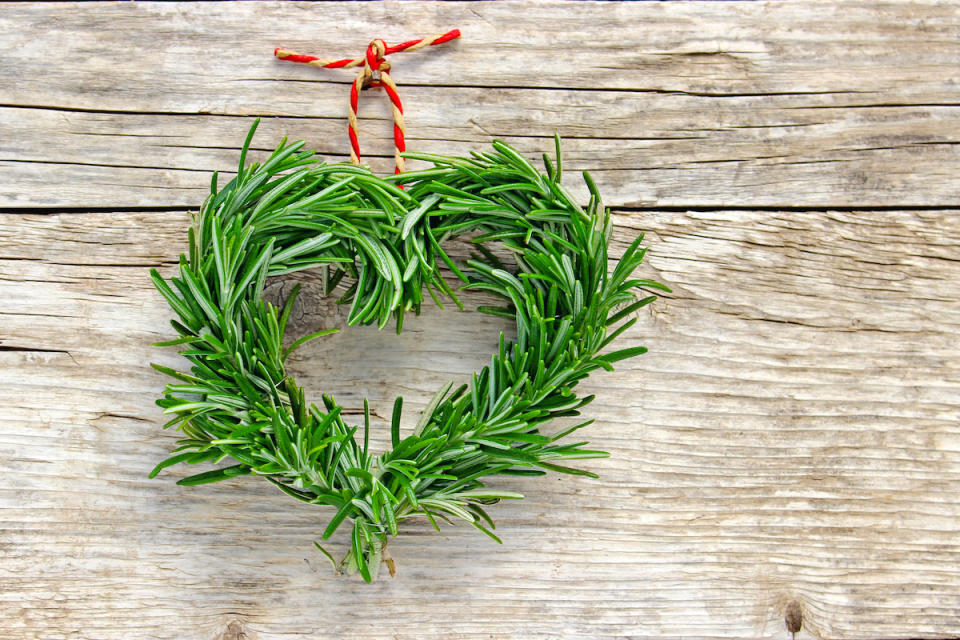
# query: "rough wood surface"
(786, 457)
(794, 104)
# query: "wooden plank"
(790, 440)
(789, 445)
(814, 104)
(115, 160)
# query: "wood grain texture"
(783, 104)
(787, 455)
(793, 435)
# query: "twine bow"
(375, 72)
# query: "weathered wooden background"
(789, 448)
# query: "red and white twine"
(375, 73)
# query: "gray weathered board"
(789, 448)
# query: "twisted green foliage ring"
(293, 212)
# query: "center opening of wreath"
(435, 348)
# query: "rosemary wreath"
(292, 212)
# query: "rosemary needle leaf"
(236, 401)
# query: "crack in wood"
(18, 349)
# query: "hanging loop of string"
(374, 72)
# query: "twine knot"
(375, 62)
(374, 72)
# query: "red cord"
(375, 73)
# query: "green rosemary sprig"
(292, 212)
